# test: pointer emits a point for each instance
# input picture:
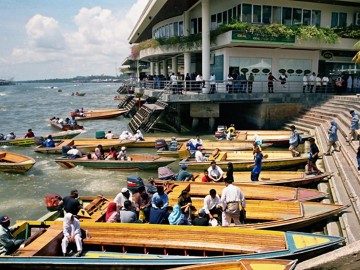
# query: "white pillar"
(174, 66)
(187, 63)
(152, 68)
(157, 68)
(205, 13)
(165, 70)
(186, 23)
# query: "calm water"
(30, 106)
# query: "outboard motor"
(52, 201)
(134, 182)
(39, 140)
(160, 143)
(220, 135)
(64, 150)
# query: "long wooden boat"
(243, 264)
(137, 162)
(15, 163)
(31, 141)
(240, 160)
(286, 178)
(255, 192)
(113, 244)
(106, 114)
(80, 94)
(149, 142)
(64, 127)
(84, 145)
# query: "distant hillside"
(81, 79)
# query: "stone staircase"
(344, 185)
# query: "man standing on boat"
(232, 199)
(294, 141)
(71, 203)
(8, 244)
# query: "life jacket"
(52, 201)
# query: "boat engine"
(52, 201)
(160, 143)
(134, 182)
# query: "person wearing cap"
(142, 202)
(10, 136)
(123, 196)
(354, 125)
(29, 134)
(72, 234)
(294, 141)
(160, 195)
(185, 203)
(74, 153)
(199, 156)
(313, 157)
(122, 154)
(215, 172)
(183, 174)
(139, 136)
(231, 200)
(173, 146)
(212, 206)
(71, 203)
(8, 243)
(109, 135)
(127, 215)
(201, 220)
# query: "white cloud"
(98, 41)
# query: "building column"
(186, 23)
(164, 70)
(174, 66)
(205, 13)
(187, 63)
(152, 68)
(211, 123)
(157, 68)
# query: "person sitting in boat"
(139, 136)
(159, 215)
(185, 203)
(2, 137)
(177, 217)
(122, 154)
(72, 94)
(183, 174)
(212, 206)
(257, 165)
(97, 154)
(206, 177)
(201, 219)
(112, 154)
(150, 186)
(124, 195)
(215, 172)
(112, 214)
(8, 243)
(73, 123)
(125, 135)
(29, 134)
(160, 195)
(71, 204)
(109, 135)
(72, 234)
(230, 172)
(142, 202)
(173, 146)
(199, 155)
(127, 215)
(49, 142)
(10, 136)
(74, 153)
(228, 136)
(231, 129)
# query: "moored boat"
(136, 162)
(15, 163)
(183, 245)
(105, 114)
(149, 142)
(64, 127)
(241, 159)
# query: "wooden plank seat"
(188, 237)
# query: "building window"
(266, 16)
(230, 15)
(176, 29)
(167, 30)
(181, 28)
(256, 14)
(213, 22)
(219, 18)
(193, 24)
(234, 17)
(225, 17)
(306, 17)
(297, 16)
(316, 17)
(277, 15)
(246, 13)
(286, 16)
(199, 25)
(338, 19)
(239, 13)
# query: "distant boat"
(6, 82)
(80, 94)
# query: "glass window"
(266, 16)
(277, 15)
(234, 14)
(306, 17)
(193, 25)
(171, 30)
(316, 18)
(334, 19)
(342, 19)
(286, 16)
(256, 14)
(219, 18)
(225, 20)
(213, 22)
(181, 28)
(199, 25)
(163, 31)
(230, 16)
(239, 13)
(297, 16)
(176, 29)
(167, 32)
(246, 13)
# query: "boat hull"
(15, 163)
(106, 114)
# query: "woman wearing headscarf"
(97, 154)
(112, 214)
(333, 138)
(177, 217)
(72, 234)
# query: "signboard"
(256, 37)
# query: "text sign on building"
(239, 36)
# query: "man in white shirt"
(325, 82)
(74, 153)
(212, 205)
(123, 196)
(231, 199)
(305, 82)
(199, 156)
(173, 82)
(215, 172)
(109, 135)
(318, 83)
(212, 84)
(312, 81)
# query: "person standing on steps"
(354, 126)
(333, 138)
(294, 141)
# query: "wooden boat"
(243, 264)
(254, 192)
(208, 146)
(286, 178)
(114, 244)
(137, 162)
(83, 145)
(31, 141)
(64, 127)
(240, 160)
(149, 142)
(15, 163)
(106, 114)
(79, 94)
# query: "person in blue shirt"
(294, 142)
(183, 174)
(49, 142)
(354, 125)
(333, 138)
(160, 195)
(313, 157)
(257, 165)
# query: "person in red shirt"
(271, 80)
(206, 177)
(29, 134)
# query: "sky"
(46, 39)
